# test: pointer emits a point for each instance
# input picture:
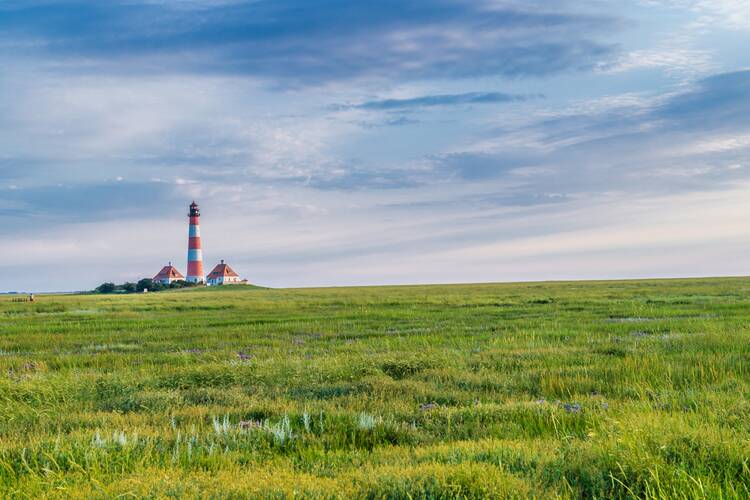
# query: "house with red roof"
(168, 275)
(222, 274)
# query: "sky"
(346, 142)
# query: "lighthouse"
(195, 253)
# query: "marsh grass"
(606, 389)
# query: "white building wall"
(168, 281)
(221, 280)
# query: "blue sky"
(340, 142)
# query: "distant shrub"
(128, 287)
(106, 288)
(147, 284)
(143, 284)
(182, 284)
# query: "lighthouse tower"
(195, 254)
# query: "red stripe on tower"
(195, 253)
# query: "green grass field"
(581, 389)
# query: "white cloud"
(712, 14)
(675, 61)
(719, 144)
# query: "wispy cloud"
(676, 61)
(429, 101)
(713, 14)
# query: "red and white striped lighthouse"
(195, 253)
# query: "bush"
(106, 288)
(182, 284)
(143, 284)
(148, 284)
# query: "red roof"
(169, 272)
(222, 270)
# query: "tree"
(106, 288)
(182, 284)
(145, 284)
(128, 287)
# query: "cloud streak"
(429, 101)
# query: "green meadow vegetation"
(578, 389)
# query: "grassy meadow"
(580, 389)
